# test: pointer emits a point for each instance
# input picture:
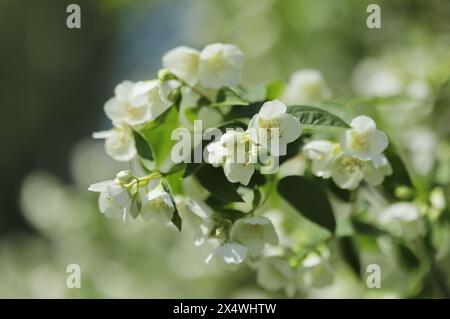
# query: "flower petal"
(237, 172)
(290, 128)
(271, 109)
(363, 123)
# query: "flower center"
(159, 202)
(351, 164)
(216, 61)
(133, 111)
(271, 126)
(313, 89)
(359, 141)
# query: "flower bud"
(165, 75)
(124, 177)
(404, 192)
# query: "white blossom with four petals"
(363, 140)
(157, 203)
(274, 273)
(198, 217)
(348, 171)
(114, 200)
(273, 128)
(228, 256)
(136, 103)
(119, 142)
(238, 155)
(322, 154)
(254, 233)
(220, 65)
(183, 62)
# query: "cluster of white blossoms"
(267, 136)
(247, 238)
(255, 141)
(133, 104)
(128, 196)
(137, 103)
(217, 65)
(358, 157)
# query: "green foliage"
(350, 254)
(314, 118)
(228, 96)
(274, 90)
(214, 180)
(308, 199)
(142, 146)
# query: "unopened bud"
(165, 75)
(403, 192)
(124, 177)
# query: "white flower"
(254, 233)
(150, 94)
(322, 154)
(220, 65)
(236, 152)
(136, 103)
(198, 217)
(306, 86)
(402, 219)
(273, 128)
(363, 141)
(376, 170)
(228, 256)
(119, 143)
(374, 79)
(124, 108)
(316, 270)
(274, 273)
(114, 200)
(184, 63)
(348, 171)
(157, 203)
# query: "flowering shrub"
(344, 157)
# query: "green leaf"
(274, 89)
(228, 96)
(309, 199)
(239, 112)
(406, 257)
(316, 119)
(257, 196)
(350, 253)
(399, 176)
(142, 146)
(342, 194)
(176, 219)
(230, 214)
(160, 136)
(214, 180)
(367, 229)
(191, 168)
(136, 205)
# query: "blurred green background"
(55, 80)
